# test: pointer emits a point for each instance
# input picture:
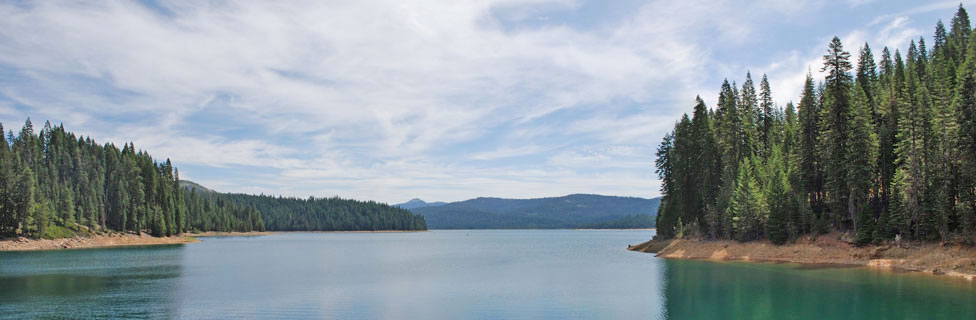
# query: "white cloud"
(382, 99)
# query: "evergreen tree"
(867, 75)
(958, 38)
(706, 168)
(810, 162)
(23, 200)
(779, 197)
(7, 211)
(53, 178)
(750, 118)
(766, 118)
(835, 128)
(913, 133)
(748, 209)
(884, 154)
(861, 157)
(964, 104)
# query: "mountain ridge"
(570, 211)
(418, 203)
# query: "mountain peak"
(417, 203)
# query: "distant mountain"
(572, 211)
(417, 203)
(193, 186)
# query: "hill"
(417, 203)
(570, 211)
(318, 214)
(193, 186)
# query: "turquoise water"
(486, 274)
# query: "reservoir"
(471, 274)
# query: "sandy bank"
(229, 234)
(360, 231)
(95, 241)
(935, 258)
(618, 229)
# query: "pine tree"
(748, 208)
(867, 75)
(810, 162)
(861, 157)
(884, 154)
(23, 200)
(779, 197)
(959, 34)
(767, 117)
(706, 168)
(911, 149)
(750, 118)
(8, 223)
(835, 127)
(942, 151)
(964, 104)
(666, 216)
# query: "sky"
(393, 100)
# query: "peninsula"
(873, 166)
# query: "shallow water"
(554, 274)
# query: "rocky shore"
(935, 258)
(93, 241)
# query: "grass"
(54, 231)
(57, 232)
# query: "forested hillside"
(328, 214)
(570, 211)
(319, 214)
(883, 149)
(53, 184)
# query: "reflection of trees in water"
(741, 290)
(91, 283)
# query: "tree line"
(54, 181)
(328, 214)
(882, 150)
(55, 184)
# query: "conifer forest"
(882, 147)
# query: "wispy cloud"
(389, 100)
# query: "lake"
(481, 274)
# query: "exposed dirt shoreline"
(934, 258)
(359, 231)
(121, 240)
(229, 234)
(618, 229)
(94, 241)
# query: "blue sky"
(390, 100)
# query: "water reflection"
(513, 274)
(134, 282)
(737, 290)
(51, 284)
(521, 274)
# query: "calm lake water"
(554, 274)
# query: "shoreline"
(93, 241)
(358, 231)
(931, 258)
(214, 234)
(131, 240)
